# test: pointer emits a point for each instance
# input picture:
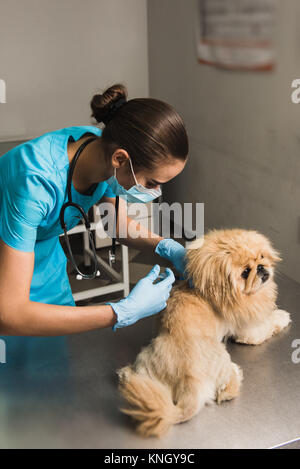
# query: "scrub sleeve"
(33, 188)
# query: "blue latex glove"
(145, 299)
(174, 252)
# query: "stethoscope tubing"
(70, 203)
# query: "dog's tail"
(151, 402)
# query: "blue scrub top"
(33, 188)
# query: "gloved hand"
(174, 252)
(145, 299)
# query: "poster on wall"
(236, 34)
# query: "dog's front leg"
(258, 333)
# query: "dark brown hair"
(150, 130)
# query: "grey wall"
(244, 131)
(54, 54)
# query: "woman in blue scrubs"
(144, 143)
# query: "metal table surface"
(80, 410)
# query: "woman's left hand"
(174, 252)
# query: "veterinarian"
(142, 145)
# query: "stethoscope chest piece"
(79, 277)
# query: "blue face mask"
(136, 194)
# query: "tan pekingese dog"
(187, 365)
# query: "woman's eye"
(246, 272)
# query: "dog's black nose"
(262, 273)
(265, 277)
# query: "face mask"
(136, 194)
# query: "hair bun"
(102, 104)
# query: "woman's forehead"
(165, 171)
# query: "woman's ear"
(119, 158)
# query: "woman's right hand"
(145, 299)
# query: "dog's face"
(253, 260)
(230, 265)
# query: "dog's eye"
(262, 256)
(246, 272)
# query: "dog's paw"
(230, 390)
(123, 373)
(281, 320)
(251, 339)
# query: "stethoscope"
(70, 203)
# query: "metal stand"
(122, 280)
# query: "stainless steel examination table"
(81, 410)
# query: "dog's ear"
(210, 272)
(266, 248)
(195, 260)
(273, 255)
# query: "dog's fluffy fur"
(187, 365)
